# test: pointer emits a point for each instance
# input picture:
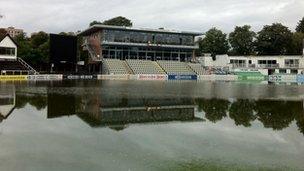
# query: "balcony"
(268, 65)
(292, 65)
(238, 65)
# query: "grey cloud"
(193, 15)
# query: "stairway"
(27, 66)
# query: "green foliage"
(117, 21)
(24, 47)
(297, 43)
(274, 39)
(242, 40)
(300, 26)
(95, 22)
(37, 39)
(2, 33)
(34, 50)
(215, 42)
(67, 33)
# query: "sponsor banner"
(283, 78)
(113, 77)
(152, 77)
(79, 77)
(218, 77)
(251, 77)
(182, 77)
(44, 77)
(13, 77)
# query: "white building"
(273, 64)
(10, 64)
(13, 32)
(8, 48)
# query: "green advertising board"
(250, 76)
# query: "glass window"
(292, 62)
(294, 71)
(7, 51)
(282, 71)
(145, 37)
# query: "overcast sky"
(189, 15)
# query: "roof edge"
(7, 35)
(96, 27)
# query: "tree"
(39, 49)
(274, 39)
(297, 43)
(2, 32)
(215, 42)
(95, 22)
(67, 33)
(39, 38)
(118, 21)
(242, 40)
(44, 50)
(300, 26)
(24, 47)
(34, 50)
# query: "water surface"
(143, 125)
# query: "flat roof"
(268, 56)
(98, 27)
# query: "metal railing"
(292, 65)
(92, 53)
(27, 66)
(238, 65)
(268, 65)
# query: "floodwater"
(143, 125)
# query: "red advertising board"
(152, 77)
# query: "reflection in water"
(116, 112)
(215, 109)
(242, 112)
(157, 126)
(273, 114)
(7, 101)
(277, 114)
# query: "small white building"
(274, 64)
(8, 48)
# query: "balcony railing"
(292, 65)
(238, 65)
(268, 65)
